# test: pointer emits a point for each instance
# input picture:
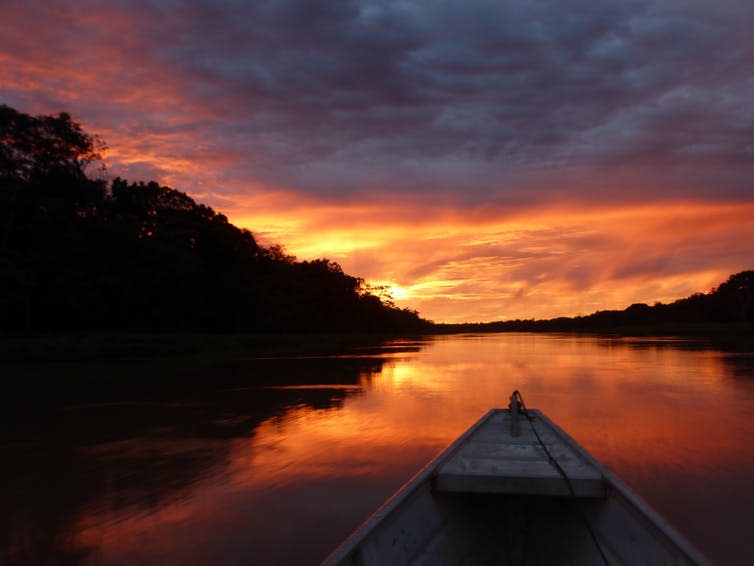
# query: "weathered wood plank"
(516, 468)
(493, 461)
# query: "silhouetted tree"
(46, 204)
(77, 253)
(731, 302)
(736, 296)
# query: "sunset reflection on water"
(674, 422)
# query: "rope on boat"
(516, 397)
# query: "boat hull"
(506, 513)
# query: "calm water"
(274, 461)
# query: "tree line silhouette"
(79, 252)
(730, 302)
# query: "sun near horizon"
(533, 264)
(490, 163)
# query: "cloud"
(492, 158)
(497, 263)
(431, 97)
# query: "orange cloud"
(248, 124)
(487, 264)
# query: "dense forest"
(729, 303)
(78, 252)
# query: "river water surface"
(274, 461)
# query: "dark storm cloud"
(475, 97)
(472, 96)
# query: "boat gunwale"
(426, 473)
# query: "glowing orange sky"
(458, 265)
(489, 163)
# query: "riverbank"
(109, 346)
(64, 368)
(571, 326)
(89, 346)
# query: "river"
(275, 460)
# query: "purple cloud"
(481, 99)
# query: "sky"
(485, 160)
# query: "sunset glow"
(530, 263)
(489, 163)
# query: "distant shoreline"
(113, 346)
(663, 329)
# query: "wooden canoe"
(495, 496)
